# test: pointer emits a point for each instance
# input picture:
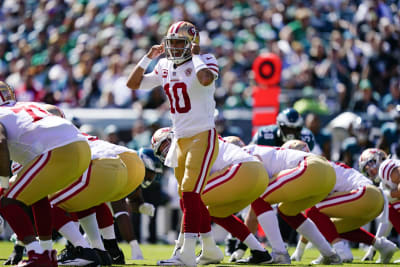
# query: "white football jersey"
(276, 159)
(385, 169)
(32, 131)
(192, 105)
(347, 178)
(104, 149)
(229, 154)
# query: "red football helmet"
(178, 41)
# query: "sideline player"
(53, 153)
(188, 79)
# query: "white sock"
(189, 244)
(301, 246)
(179, 242)
(252, 242)
(71, 232)
(108, 232)
(310, 231)
(46, 244)
(208, 241)
(35, 246)
(270, 225)
(91, 228)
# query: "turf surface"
(152, 253)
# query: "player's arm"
(135, 199)
(395, 176)
(136, 77)
(5, 170)
(203, 72)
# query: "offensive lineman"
(53, 152)
(188, 79)
(353, 202)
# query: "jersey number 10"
(175, 94)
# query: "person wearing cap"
(368, 100)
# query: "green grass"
(152, 253)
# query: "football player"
(353, 202)
(289, 126)
(81, 253)
(188, 79)
(53, 153)
(142, 167)
(299, 180)
(376, 165)
(236, 180)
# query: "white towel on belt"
(172, 157)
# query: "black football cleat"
(117, 256)
(257, 257)
(81, 257)
(105, 258)
(16, 255)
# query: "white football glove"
(369, 255)
(136, 252)
(147, 209)
(237, 255)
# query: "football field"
(152, 253)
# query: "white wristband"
(198, 63)
(116, 215)
(144, 62)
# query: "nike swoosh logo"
(208, 58)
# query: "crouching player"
(352, 203)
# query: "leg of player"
(385, 247)
(87, 219)
(43, 221)
(267, 218)
(21, 224)
(328, 229)
(81, 254)
(126, 229)
(309, 230)
(210, 252)
(239, 230)
(105, 221)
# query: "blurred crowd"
(79, 53)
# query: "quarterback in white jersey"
(236, 180)
(54, 154)
(188, 79)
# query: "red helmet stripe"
(178, 26)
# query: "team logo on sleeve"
(164, 73)
(188, 72)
